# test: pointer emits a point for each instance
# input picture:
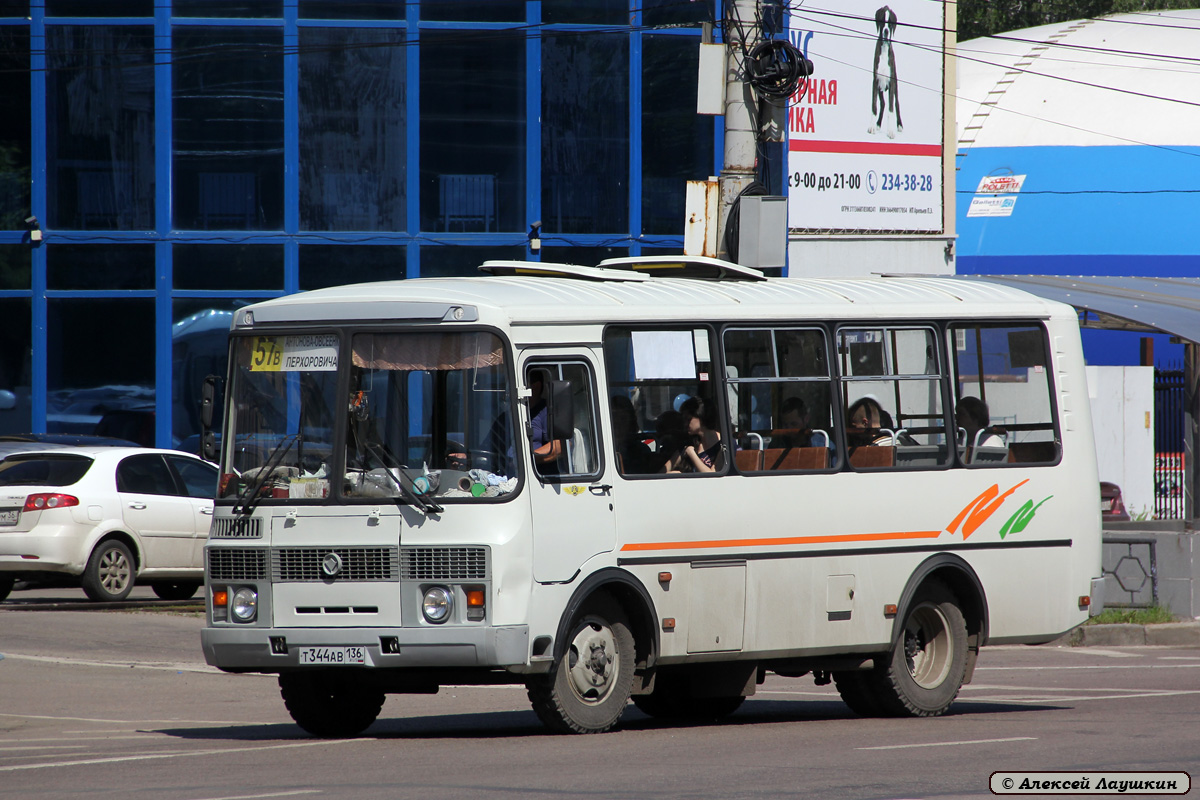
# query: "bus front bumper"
(249, 649)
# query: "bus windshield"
(427, 415)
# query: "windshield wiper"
(249, 497)
(410, 495)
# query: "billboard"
(865, 131)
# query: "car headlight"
(437, 604)
(245, 604)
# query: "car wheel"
(109, 573)
(6, 585)
(179, 590)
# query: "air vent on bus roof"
(548, 269)
(693, 267)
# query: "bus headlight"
(437, 604)
(245, 604)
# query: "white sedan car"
(108, 517)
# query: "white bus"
(658, 479)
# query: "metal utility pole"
(739, 170)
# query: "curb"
(1167, 634)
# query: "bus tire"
(682, 707)
(109, 574)
(858, 692)
(929, 661)
(327, 707)
(587, 689)
(176, 590)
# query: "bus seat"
(1032, 452)
(989, 455)
(920, 455)
(748, 460)
(796, 458)
(869, 456)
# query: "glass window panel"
(586, 12)
(352, 134)
(677, 143)
(257, 9)
(199, 348)
(585, 134)
(100, 266)
(1003, 407)
(442, 262)
(15, 266)
(228, 128)
(14, 8)
(436, 399)
(584, 256)
(324, 265)
(14, 128)
(94, 8)
(352, 9)
(230, 267)
(16, 331)
(676, 12)
(657, 372)
(473, 132)
(100, 127)
(579, 455)
(474, 10)
(100, 358)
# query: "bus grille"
(443, 563)
(237, 563)
(236, 528)
(358, 563)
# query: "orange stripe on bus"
(848, 537)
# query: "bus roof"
(552, 296)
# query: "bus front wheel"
(928, 663)
(588, 688)
(329, 707)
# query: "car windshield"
(43, 470)
(427, 415)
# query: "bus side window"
(1003, 410)
(573, 450)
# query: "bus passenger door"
(572, 502)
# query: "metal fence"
(1168, 443)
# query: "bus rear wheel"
(928, 663)
(329, 707)
(672, 698)
(588, 688)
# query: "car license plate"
(333, 655)
(9, 516)
(1105, 505)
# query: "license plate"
(9, 516)
(1105, 505)
(333, 655)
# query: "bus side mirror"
(560, 409)
(208, 442)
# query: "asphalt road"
(108, 704)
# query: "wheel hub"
(593, 662)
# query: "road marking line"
(46, 747)
(1090, 666)
(292, 793)
(1056, 698)
(180, 754)
(133, 722)
(950, 744)
(83, 662)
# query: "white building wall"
(1122, 400)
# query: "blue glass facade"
(185, 157)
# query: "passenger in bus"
(972, 415)
(867, 423)
(633, 456)
(546, 451)
(794, 416)
(670, 437)
(705, 451)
